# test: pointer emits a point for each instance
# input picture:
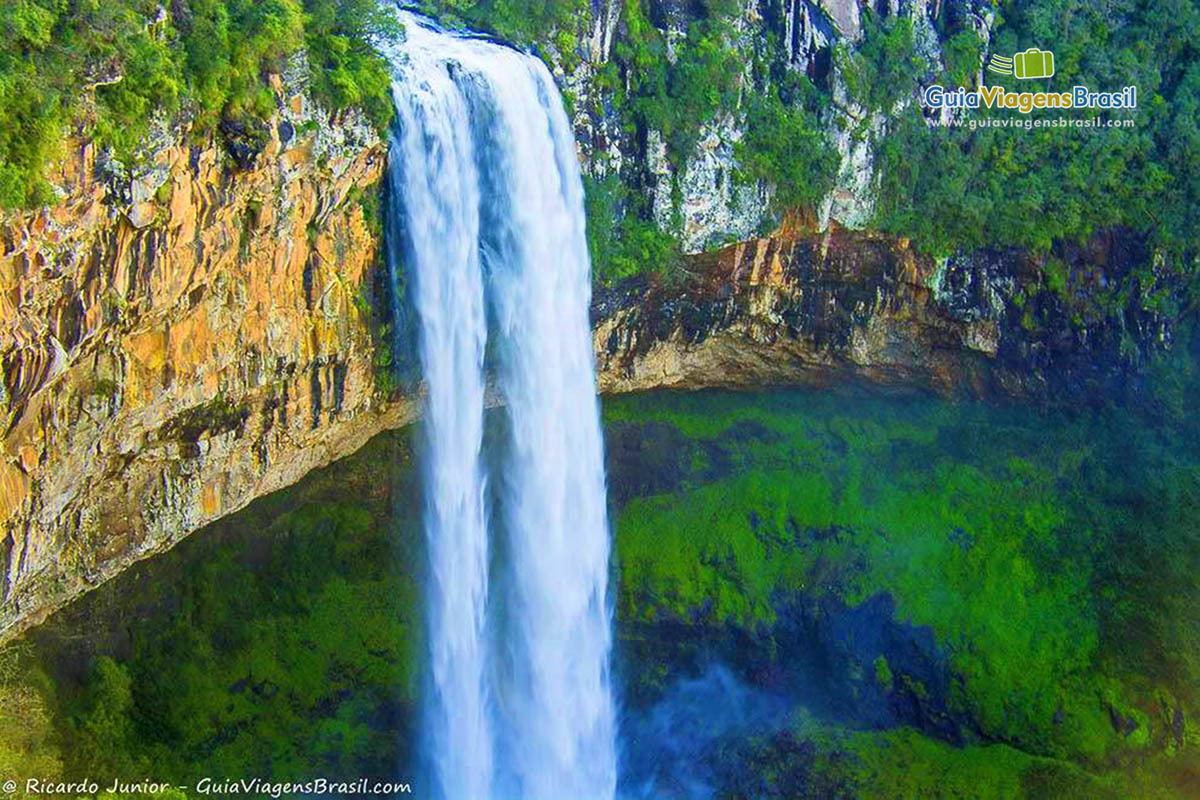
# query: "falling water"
(484, 165)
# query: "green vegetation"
(277, 670)
(279, 644)
(1048, 559)
(1025, 544)
(210, 56)
(675, 96)
(904, 763)
(885, 68)
(947, 188)
(963, 53)
(27, 736)
(527, 23)
(883, 673)
(954, 188)
(346, 70)
(621, 239)
(785, 147)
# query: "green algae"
(903, 763)
(1006, 533)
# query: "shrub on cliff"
(674, 84)
(785, 147)
(952, 188)
(621, 240)
(138, 59)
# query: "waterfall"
(488, 187)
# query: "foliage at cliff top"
(523, 22)
(208, 56)
(947, 188)
(714, 71)
(952, 188)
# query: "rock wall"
(180, 340)
(209, 365)
(699, 199)
(836, 306)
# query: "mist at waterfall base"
(490, 205)
(671, 750)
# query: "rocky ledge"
(837, 306)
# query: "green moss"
(1051, 556)
(995, 531)
(106, 388)
(679, 557)
(883, 674)
(370, 202)
(273, 649)
(906, 764)
(164, 193)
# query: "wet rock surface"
(181, 338)
(838, 306)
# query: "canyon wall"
(698, 194)
(236, 363)
(812, 309)
(183, 337)
(179, 340)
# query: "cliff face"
(179, 341)
(239, 361)
(697, 195)
(837, 306)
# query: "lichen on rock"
(151, 295)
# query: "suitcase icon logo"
(1032, 63)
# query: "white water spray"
(485, 171)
